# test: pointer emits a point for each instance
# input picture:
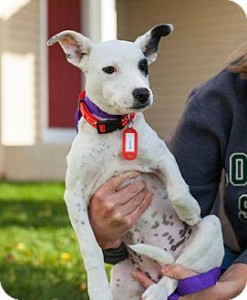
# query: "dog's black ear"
(149, 41)
(75, 46)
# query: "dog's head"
(116, 71)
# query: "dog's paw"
(155, 292)
(190, 219)
(187, 208)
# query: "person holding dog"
(210, 138)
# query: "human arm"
(198, 144)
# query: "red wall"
(64, 80)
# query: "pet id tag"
(130, 143)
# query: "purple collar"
(102, 121)
(95, 110)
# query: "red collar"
(103, 126)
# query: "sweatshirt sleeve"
(242, 258)
(198, 146)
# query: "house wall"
(37, 160)
(206, 36)
(24, 32)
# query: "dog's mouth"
(141, 106)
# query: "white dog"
(113, 137)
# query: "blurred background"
(39, 89)
(39, 257)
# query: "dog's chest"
(92, 160)
(95, 158)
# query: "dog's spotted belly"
(158, 226)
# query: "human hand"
(114, 209)
(229, 285)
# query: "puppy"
(112, 138)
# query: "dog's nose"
(141, 95)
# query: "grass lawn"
(39, 255)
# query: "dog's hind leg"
(204, 249)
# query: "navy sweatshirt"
(212, 136)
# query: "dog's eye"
(109, 69)
(143, 66)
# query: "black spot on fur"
(156, 33)
(154, 214)
(148, 275)
(184, 231)
(156, 225)
(178, 244)
(165, 234)
(159, 277)
(171, 241)
(143, 66)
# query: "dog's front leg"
(183, 202)
(98, 286)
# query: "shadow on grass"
(33, 214)
(26, 282)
